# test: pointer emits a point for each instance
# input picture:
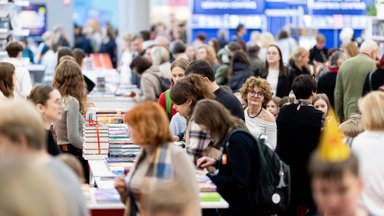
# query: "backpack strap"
(168, 102)
(370, 80)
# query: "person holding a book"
(70, 83)
(237, 174)
(162, 181)
(48, 102)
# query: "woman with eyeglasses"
(276, 73)
(256, 92)
(48, 102)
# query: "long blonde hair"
(372, 112)
(69, 81)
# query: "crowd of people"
(203, 107)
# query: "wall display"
(228, 7)
(33, 18)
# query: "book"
(210, 197)
(95, 151)
(95, 139)
(94, 157)
(109, 195)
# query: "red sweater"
(163, 104)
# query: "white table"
(100, 174)
(111, 103)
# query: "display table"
(111, 102)
(103, 178)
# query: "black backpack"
(272, 195)
(165, 83)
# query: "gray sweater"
(69, 185)
(70, 128)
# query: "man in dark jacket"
(298, 131)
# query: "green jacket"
(349, 84)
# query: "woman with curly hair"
(256, 92)
(7, 80)
(70, 83)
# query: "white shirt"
(369, 148)
(259, 127)
(273, 79)
(23, 85)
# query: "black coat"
(237, 177)
(319, 55)
(284, 84)
(327, 83)
(298, 133)
(241, 73)
(377, 80)
(294, 71)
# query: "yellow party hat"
(332, 148)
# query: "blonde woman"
(369, 148)
(207, 53)
(298, 63)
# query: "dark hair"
(303, 86)
(283, 71)
(6, 78)
(141, 64)
(252, 49)
(190, 87)
(282, 35)
(238, 56)
(64, 51)
(201, 36)
(13, 49)
(40, 94)
(216, 118)
(177, 46)
(202, 68)
(239, 27)
(380, 63)
(79, 55)
(233, 46)
(318, 168)
(145, 35)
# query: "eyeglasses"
(254, 93)
(272, 53)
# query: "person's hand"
(381, 88)
(175, 138)
(204, 162)
(121, 188)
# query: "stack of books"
(95, 142)
(205, 184)
(107, 196)
(121, 149)
(110, 117)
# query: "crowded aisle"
(172, 120)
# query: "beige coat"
(180, 192)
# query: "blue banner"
(329, 7)
(210, 7)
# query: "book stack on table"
(121, 148)
(207, 189)
(95, 141)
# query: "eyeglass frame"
(254, 93)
